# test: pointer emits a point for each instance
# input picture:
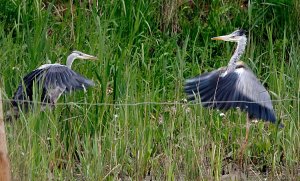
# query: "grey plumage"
(232, 86)
(52, 80)
(239, 88)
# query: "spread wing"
(239, 88)
(50, 77)
(63, 77)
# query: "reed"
(146, 50)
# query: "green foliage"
(146, 50)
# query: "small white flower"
(222, 114)
(187, 110)
(160, 120)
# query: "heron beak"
(224, 38)
(88, 57)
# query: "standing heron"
(233, 86)
(53, 80)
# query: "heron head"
(235, 36)
(80, 55)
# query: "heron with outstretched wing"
(233, 86)
(53, 80)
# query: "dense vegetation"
(146, 50)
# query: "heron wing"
(51, 77)
(249, 88)
(25, 88)
(63, 77)
(239, 88)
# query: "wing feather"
(52, 76)
(239, 88)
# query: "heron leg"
(245, 143)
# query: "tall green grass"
(146, 50)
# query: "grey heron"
(233, 86)
(53, 80)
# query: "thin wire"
(182, 102)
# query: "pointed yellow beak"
(224, 38)
(92, 57)
(87, 57)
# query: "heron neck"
(241, 45)
(70, 61)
